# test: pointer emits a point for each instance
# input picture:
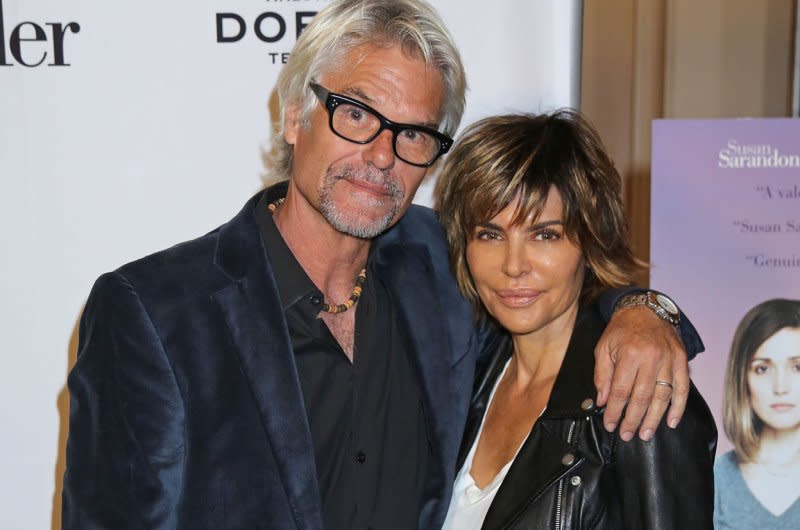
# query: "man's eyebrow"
(360, 95)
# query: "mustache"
(371, 174)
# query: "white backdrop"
(138, 129)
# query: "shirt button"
(361, 457)
(315, 300)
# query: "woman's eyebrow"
(532, 228)
(544, 224)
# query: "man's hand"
(637, 349)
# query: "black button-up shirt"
(366, 417)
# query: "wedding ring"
(663, 383)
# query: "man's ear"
(291, 123)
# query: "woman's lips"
(518, 297)
(782, 407)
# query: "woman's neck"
(779, 447)
(538, 355)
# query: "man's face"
(361, 190)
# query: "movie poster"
(725, 244)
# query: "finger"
(662, 394)
(620, 389)
(680, 391)
(603, 370)
(639, 401)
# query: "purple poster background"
(725, 228)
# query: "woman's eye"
(546, 235)
(760, 369)
(487, 235)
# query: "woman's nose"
(781, 383)
(516, 262)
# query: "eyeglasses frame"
(332, 100)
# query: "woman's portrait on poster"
(757, 484)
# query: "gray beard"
(351, 225)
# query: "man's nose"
(380, 151)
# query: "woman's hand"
(637, 349)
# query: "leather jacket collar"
(573, 386)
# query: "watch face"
(667, 304)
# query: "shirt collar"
(293, 282)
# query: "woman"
(758, 483)
(534, 217)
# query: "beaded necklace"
(357, 289)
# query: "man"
(309, 363)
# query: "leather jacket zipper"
(560, 491)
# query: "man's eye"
(355, 114)
(411, 135)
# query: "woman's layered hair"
(519, 158)
(740, 422)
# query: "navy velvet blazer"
(186, 410)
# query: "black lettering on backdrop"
(301, 20)
(221, 17)
(16, 40)
(281, 27)
(38, 34)
(269, 26)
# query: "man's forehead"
(390, 80)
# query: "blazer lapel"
(409, 277)
(252, 310)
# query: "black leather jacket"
(570, 473)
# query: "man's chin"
(360, 226)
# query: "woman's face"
(773, 380)
(528, 276)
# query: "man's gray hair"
(413, 25)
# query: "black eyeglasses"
(359, 123)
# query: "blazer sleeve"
(607, 302)
(125, 448)
(668, 483)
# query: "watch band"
(660, 304)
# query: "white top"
(470, 504)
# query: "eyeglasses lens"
(360, 125)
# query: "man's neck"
(330, 258)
